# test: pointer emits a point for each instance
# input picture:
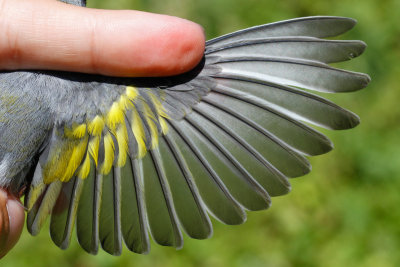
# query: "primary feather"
(125, 158)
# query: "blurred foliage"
(346, 212)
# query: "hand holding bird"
(32, 40)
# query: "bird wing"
(219, 140)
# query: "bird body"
(125, 158)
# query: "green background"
(346, 212)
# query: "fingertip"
(12, 220)
(151, 45)
(16, 213)
(181, 49)
(192, 46)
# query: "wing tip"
(34, 231)
(366, 80)
(354, 120)
(113, 251)
(349, 22)
(346, 22)
(351, 121)
(360, 46)
(91, 251)
(143, 250)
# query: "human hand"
(47, 34)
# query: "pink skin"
(46, 34)
(12, 217)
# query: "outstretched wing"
(219, 140)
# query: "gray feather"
(318, 26)
(37, 216)
(240, 152)
(134, 221)
(75, 2)
(327, 51)
(64, 212)
(302, 73)
(87, 222)
(241, 184)
(110, 212)
(188, 203)
(215, 194)
(295, 103)
(267, 119)
(160, 210)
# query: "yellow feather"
(108, 154)
(138, 132)
(154, 134)
(157, 104)
(148, 114)
(84, 169)
(125, 103)
(75, 160)
(79, 131)
(115, 116)
(94, 144)
(131, 92)
(35, 191)
(68, 132)
(164, 125)
(66, 157)
(122, 139)
(160, 113)
(95, 127)
(58, 161)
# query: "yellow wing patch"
(96, 126)
(109, 151)
(81, 143)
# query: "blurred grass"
(346, 212)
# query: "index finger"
(46, 34)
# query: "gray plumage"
(236, 132)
